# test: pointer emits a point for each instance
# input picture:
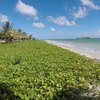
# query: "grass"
(35, 70)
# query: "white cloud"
(61, 20)
(54, 30)
(82, 12)
(99, 31)
(89, 3)
(3, 18)
(36, 18)
(94, 35)
(26, 9)
(38, 25)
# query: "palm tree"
(8, 33)
(31, 38)
(20, 30)
(6, 29)
(7, 26)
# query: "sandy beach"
(90, 54)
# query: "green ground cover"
(35, 70)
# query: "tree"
(9, 34)
(30, 37)
(20, 30)
(1, 35)
(7, 26)
(6, 29)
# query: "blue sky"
(53, 19)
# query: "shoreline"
(88, 55)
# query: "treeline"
(9, 34)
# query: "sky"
(53, 19)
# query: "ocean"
(89, 47)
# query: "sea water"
(89, 47)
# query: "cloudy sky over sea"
(53, 18)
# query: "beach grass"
(36, 70)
